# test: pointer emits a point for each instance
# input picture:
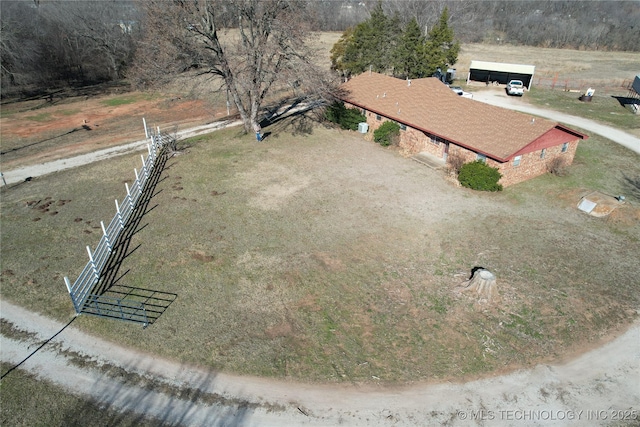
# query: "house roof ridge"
(429, 105)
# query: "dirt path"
(493, 97)
(593, 389)
(21, 173)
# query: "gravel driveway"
(593, 389)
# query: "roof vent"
(384, 95)
(533, 120)
(408, 82)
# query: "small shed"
(483, 71)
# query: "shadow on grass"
(151, 401)
(297, 116)
(111, 299)
(631, 185)
(84, 127)
(625, 100)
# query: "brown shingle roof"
(429, 105)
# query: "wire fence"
(80, 291)
(605, 86)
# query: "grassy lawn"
(128, 99)
(319, 256)
(602, 108)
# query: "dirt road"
(596, 388)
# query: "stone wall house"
(435, 120)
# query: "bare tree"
(265, 51)
(96, 35)
(19, 47)
(55, 43)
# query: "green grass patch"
(599, 165)
(42, 117)
(602, 108)
(128, 99)
(114, 102)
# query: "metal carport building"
(483, 71)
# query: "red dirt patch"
(36, 133)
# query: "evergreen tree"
(409, 59)
(441, 48)
(339, 50)
(371, 44)
(358, 53)
(380, 43)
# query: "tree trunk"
(483, 285)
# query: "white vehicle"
(458, 90)
(515, 87)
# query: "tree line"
(589, 25)
(380, 44)
(52, 43)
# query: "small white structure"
(599, 204)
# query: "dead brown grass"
(325, 257)
(564, 63)
(321, 256)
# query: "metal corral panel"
(636, 84)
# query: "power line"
(37, 349)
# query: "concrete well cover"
(598, 204)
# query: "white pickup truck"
(515, 87)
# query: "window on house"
(565, 147)
(481, 157)
(364, 112)
(516, 160)
(403, 127)
(543, 153)
(378, 117)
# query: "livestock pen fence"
(85, 293)
(604, 86)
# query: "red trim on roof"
(554, 137)
(429, 106)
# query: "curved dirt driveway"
(499, 98)
(592, 389)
